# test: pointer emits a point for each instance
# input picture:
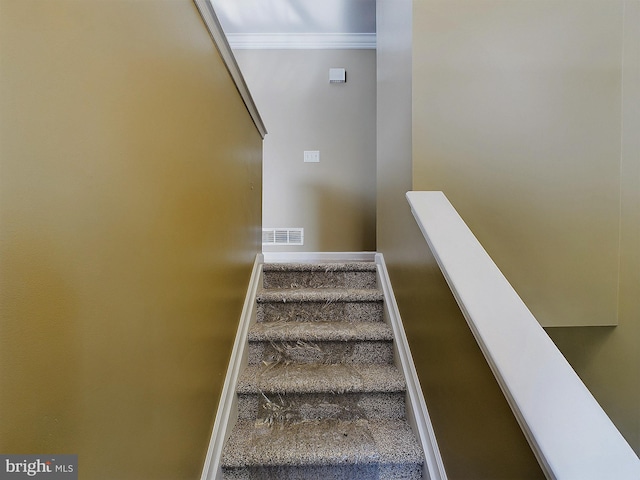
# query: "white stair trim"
(226, 415)
(214, 28)
(417, 413)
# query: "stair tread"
(320, 267)
(321, 442)
(320, 395)
(320, 331)
(314, 378)
(284, 295)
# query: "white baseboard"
(227, 408)
(417, 413)
(309, 257)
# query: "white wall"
(334, 200)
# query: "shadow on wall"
(340, 220)
(590, 341)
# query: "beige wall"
(521, 101)
(521, 116)
(334, 200)
(608, 359)
(477, 434)
(130, 216)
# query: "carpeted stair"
(320, 397)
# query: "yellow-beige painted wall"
(130, 216)
(608, 358)
(477, 433)
(518, 110)
(526, 115)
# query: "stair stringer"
(416, 407)
(227, 413)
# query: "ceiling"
(296, 16)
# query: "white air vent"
(283, 236)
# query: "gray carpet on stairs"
(320, 397)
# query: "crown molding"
(302, 41)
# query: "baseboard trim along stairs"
(321, 384)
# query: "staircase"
(321, 397)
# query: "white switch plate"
(311, 156)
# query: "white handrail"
(570, 434)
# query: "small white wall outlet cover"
(337, 75)
(312, 156)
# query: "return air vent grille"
(283, 236)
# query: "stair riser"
(319, 279)
(327, 472)
(304, 378)
(274, 408)
(319, 312)
(348, 352)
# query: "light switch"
(311, 156)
